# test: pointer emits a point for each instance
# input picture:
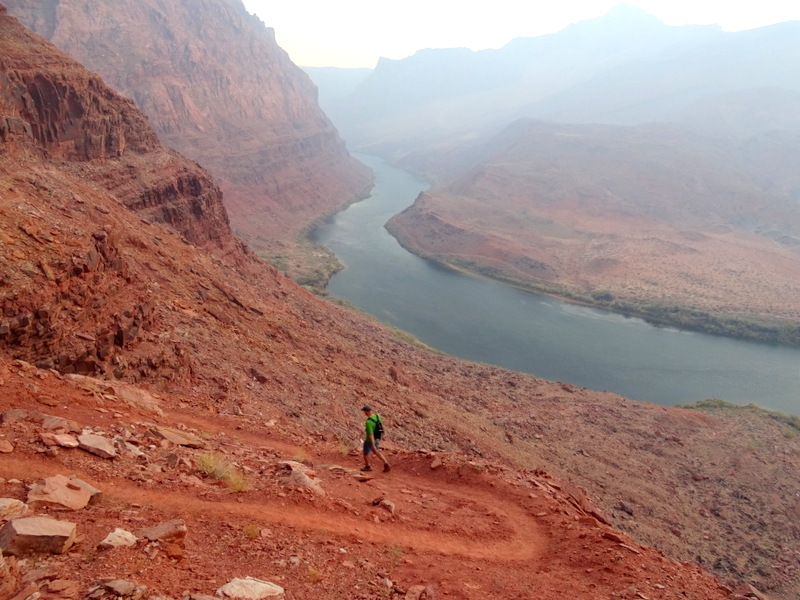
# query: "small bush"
(238, 481)
(214, 466)
(252, 531)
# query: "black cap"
(366, 407)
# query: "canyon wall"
(216, 86)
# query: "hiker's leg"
(378, 453)
(367, 448)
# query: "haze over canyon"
(622, 162)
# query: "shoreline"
(772, 331)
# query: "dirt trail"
(502, 515)
(468, 529)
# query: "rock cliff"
(69, 138)
(217, 87)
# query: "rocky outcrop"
(217, 87)
(68, 136)
(54, 108)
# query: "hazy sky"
(355, 33)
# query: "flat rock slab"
(36, 534)
(58, 492)
(64, 440)
(169, 531)
(180, 438)
(250, 588)
(13, 415)
(97, 444)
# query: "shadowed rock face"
(69, 138)
(53, 107)
(216, 86)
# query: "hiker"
(373, 429)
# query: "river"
(485, 321)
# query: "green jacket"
(369, 425)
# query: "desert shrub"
(238, 481)
(252, 531)
(314, 575)
(214, 466)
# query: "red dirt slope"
(466, 529)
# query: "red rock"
(11, 508)
(36, 534)
(290, 166)
(8, 578)
(58, 492)
(97, 444)
(169, 531)
(64, 440)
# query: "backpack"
(378, 431)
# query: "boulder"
(97, 444)
(169, 531)
(250, 588)
(119, 538)
(58, 492)
(6, 447)
(36, 534)
(64, 440)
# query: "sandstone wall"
(217, 87)
(52, 107)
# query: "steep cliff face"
(216, 86)
(52, 107)
(74, 155)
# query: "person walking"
(373, 431)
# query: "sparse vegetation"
(214, 466)
(220, 468)
(252, 531)
(314, 575)
(712, 404)
(238, 481)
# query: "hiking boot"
(387, 467)
(366, 468)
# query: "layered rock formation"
(216, 86)
(54, 108)
(69, 138)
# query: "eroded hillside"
(122, 321)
